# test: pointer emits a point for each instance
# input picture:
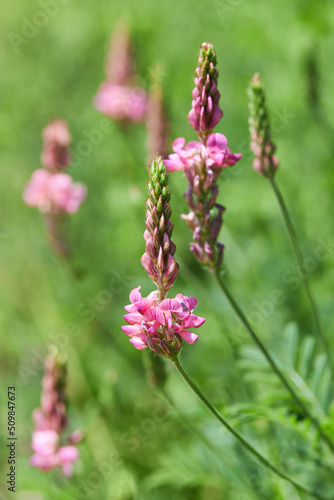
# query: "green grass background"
(137, 445)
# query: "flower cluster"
(51, 421)
(155, 321)
(265, 162)
(117, 97)
(121, 103)
(53, 193)
(205, 112)
(49, 189)
(161, 325)
(202, 162)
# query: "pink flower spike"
(54, 193)
(163, 326)
(205, 112)
(119, 102)
(51, 421)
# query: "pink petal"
(170, 305)
(178, 144)
(135, 295)
(193, 119)
(173, 163)
(153, 314)
(217, 141)
(188, 336)
(216, 116)
(193, 321)
(68, 454)
(232, 159)
(133, 318)
(67, 469)
(131, 330)
(138, 343)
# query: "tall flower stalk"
(160, 323)
(157, 322)
(51, 189)
(202, 163)
(51, 421)
(118, 97)
(266, 163)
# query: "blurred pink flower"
(120, 102)
(158, 325)
(48, 454)
(215, 154)
(54, 193)
(51, 421)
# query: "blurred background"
(141, 442)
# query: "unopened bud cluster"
(205, 112)
(158, 260)
(265, 161)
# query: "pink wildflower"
(54, 193)
(48, 454)
(161, 326)
(202, 162)
(155, 321)
(121, 103)
(51, 421)
(117, 97)
(215, 154)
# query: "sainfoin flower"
(119, 102)
(54, 193)
(157, 322)
(215, 154)
(202, 162)
(51, 421)
(118, 97)
(161, 326)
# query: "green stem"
(246, 444)
(299, 259)
(271, 360)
